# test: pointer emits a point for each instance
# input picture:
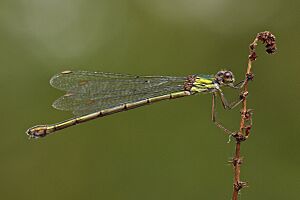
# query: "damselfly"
(90, 95)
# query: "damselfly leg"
(226, 105)
(213, 116)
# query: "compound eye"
(228, 75)
(220, 73)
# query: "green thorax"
(201, 83)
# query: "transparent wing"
(89, 92)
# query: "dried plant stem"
(237, 160)
(246, 121)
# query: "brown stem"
(246, 122)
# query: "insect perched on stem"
(91, 95)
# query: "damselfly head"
(225, 77)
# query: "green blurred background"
(170, 150)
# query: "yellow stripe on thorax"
(202, 84)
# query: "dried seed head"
(252, 55)
(239, 185)
(267, 38)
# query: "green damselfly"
(90, 95)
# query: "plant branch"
(268, 39)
